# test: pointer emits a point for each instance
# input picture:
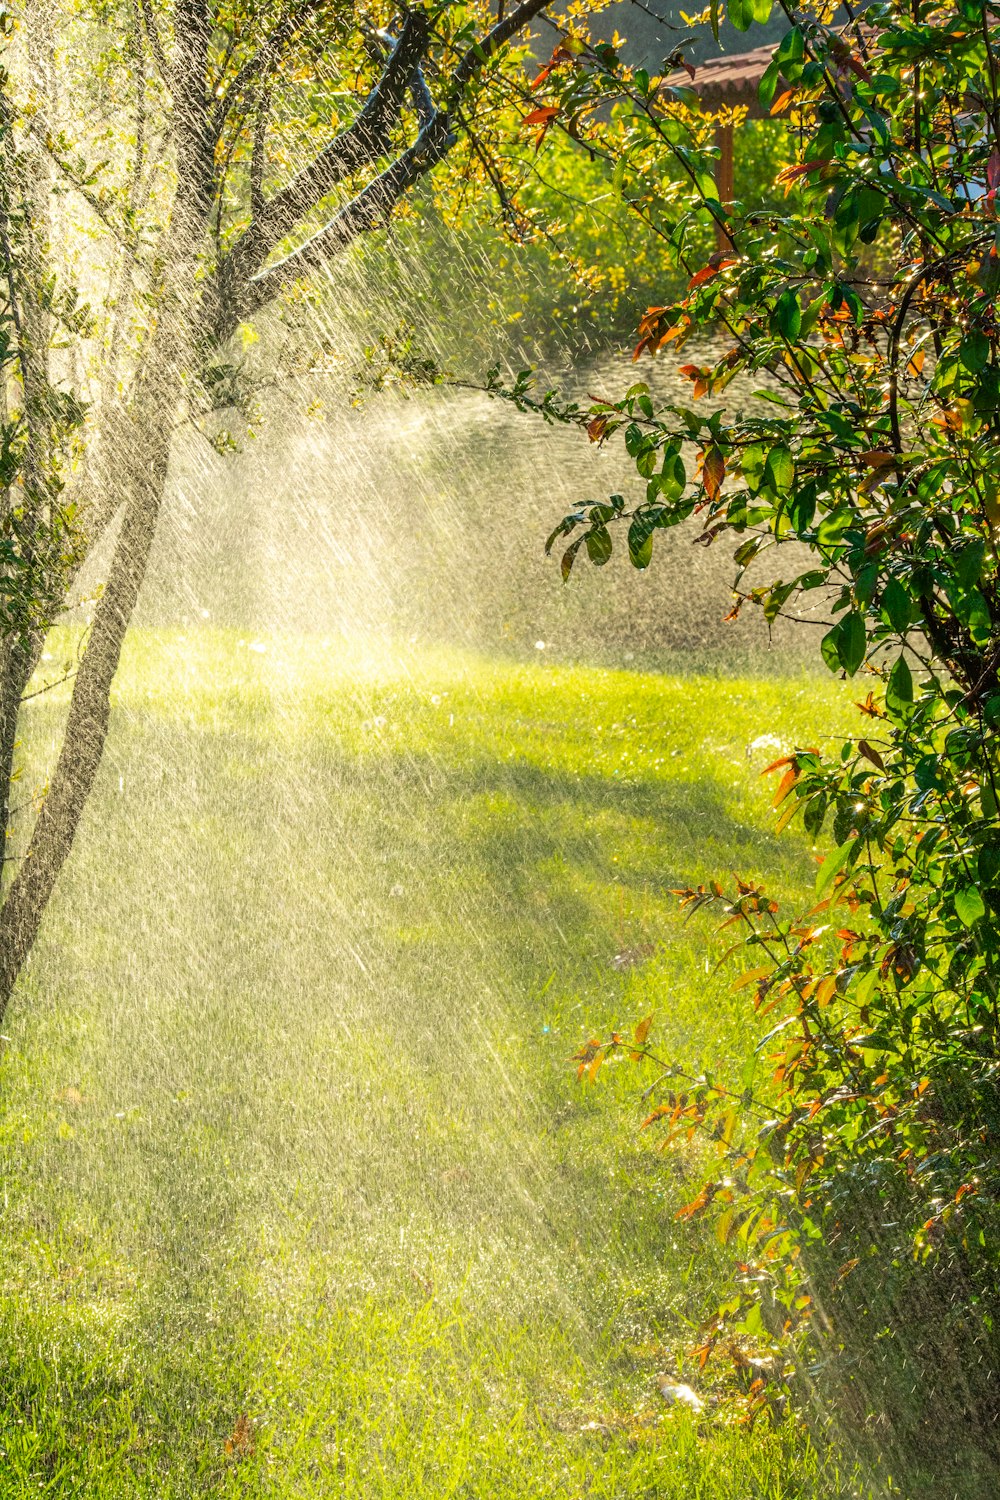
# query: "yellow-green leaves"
(969, 905)
(746, 13)
(832, 866)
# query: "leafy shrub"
(858, 1171)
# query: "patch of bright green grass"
(288, 1125)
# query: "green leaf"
(975, 614)
(640, 544)
(865, 987)
(753, 1323)
(801, 508)
(815, 815)
(969, 905)
(895, 605)
(779, 471)
(864, 583)
(740, 12)
(777, 599)
(569, 558)
(899, 690)
(969, 562)
(974, 351)
(787, 318)
(791, 50)
(673, 475)
(853, 641)
(832, 866)
(598, 546)
(768, 84)
(844, 646)
(752, 461)
(829, 648)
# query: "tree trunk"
(89, 712)
(17, 663)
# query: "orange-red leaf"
(789, 175)
(786, 760)
(696, 1205)
(707, 272)
(785, 785)
(239, 1443)
(713, 473)
(544, 115)
(871, 708)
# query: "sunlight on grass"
(289, 1128)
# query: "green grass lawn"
(288, 1128)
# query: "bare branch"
(367, 211)
(153, 37)
(244, 286)
(261, 62)
(361, 144)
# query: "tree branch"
(153, 36)
(192, 130)
(243, 285)
(260, 63)
(362, 143)
(480, 52)
(367, 211)
(364, 140)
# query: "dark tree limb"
(367, 211)
(362, 143)
(153, 37)
(243, 285)
(192, 128)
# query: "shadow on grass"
(301, 1090)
